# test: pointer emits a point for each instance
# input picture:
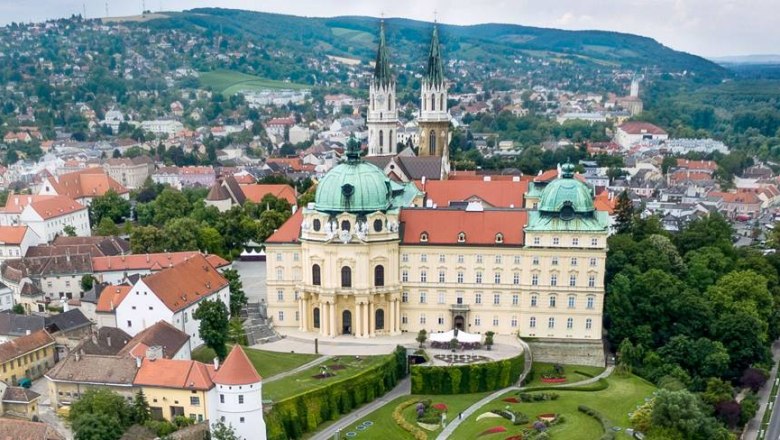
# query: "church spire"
(434, 73)
(382, 66)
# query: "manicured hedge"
(606, 424)
(466, 379)
(294, 416)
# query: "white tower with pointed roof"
(382, 115)
(239, 396)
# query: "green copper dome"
(566, 195)
(353, 186)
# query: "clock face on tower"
(380, 99)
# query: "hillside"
(498, 44)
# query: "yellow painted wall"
(32, 365)
(166, 397)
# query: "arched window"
(462, 237)
(425, 103)
(379, 319)
(441, 102)
(424, 237)
(389, 102)
(346, 276)
(316, 275)
(316, 316)
(499, 238)
(433, 102)
(345, 225)
(379, 276)
(381, 138)
(390, 142)
(432, 143)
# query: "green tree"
(210, 240)
(220, 431)
(146, 239)
(624, 213)
(683, 412)
(98, 426)
(717, 391)
(238, 298)
(214, 325)
(87, 281)
(170, 204)
(269, 222)
(489, 339)
(110, 205)
(422, 336)
(69, 230)
(181, 234)
(742, 290)
(106, 227)
(104, 402)
(18, 309)
(140, 409)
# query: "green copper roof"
(382, 74)
(353, 186)
(566, 192)
(595, 222)
(434, 73)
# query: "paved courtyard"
(253, 276)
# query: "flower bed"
(460, 358)
(337, 367)
(511, 400)
(440, 406)
(461, 345)
(553, 380)
(493, 430)
(547, 417)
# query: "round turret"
(566, 195)
(354, 186)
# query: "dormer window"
(461, 237)
(424, 237)
(316, 224)
(499, 238)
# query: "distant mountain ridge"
(501, 44)
(748, 59)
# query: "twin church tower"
(433, 120)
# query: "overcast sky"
(703, 27)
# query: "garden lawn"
(304, 380)
(228, 82)
(540, 368)
(622, 396)
(267, 363)
(385, 428)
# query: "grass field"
(229, 82)
(384, 426)
(353, 36)
(540, 367)
(267, 363)
(622, 396)
(303, 381)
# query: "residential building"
(182, 177)
(80, 372)
(83, 186)
(118, 268)
(27, 430)
(51, 278)
(172, 295)
(630, 133)
(48, 216)
(15, 240)
(18, 402)
(28, 357)
(160, 127)
(130, 172)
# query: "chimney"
(138, 362)
(216, 363)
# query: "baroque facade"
(362, 260)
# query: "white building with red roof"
(48, 216)
(83, 186)
(634, 132)
(172, 295)
(15, 240)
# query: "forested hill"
(497, 44)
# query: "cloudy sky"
(704, 27)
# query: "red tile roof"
(237, 369)
(186, 283)
(636, 127)
(498, 194)
(151, 262)
(736, 197)
(24, 344)
(605, 202)
(697, 164)
(256, 191)
(550, 175)
(244, 179)
(480, 227)
(12, 234)
(55, 206)
(290, 231)
(111, 297)
(17, 202)
(174, 373)
(90, 182)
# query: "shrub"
(290, 418)
(606, 424)
(516, 417)
(536, 397)
(399, 419)
(466, 379)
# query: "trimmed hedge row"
(466, 379)
(294, 416)
(398, 416)
(606, 424)
(599, 385)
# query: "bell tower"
(434, 120)
(382, 107)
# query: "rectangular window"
(517, 259)
(405, 258)
(278, 256)
(442, 258)
(591, 281)
(534, 280)
(513, 321)
(495, 321)
(441, 319)
(477, 321)
(572, 300)
(593, 262)
(556, 241)
(554, 261)
(281, 315)
(478, 278)
(423, 258)
(575, 241)
(588, 324)
(460, 277)
(194, 401)
(497, 278)
(496, 299)
(240, 399)
(537, 241)
(532, 322)
(569, 323)
(535, 261)
(479, 259)
(498, 259)
(279, 274)
(405, 276)
(129, 323)
(590, 302)
(442, 297)
(441, 276)
(280, 295)
(296, 256)
(553, 280)
(594, 241)
(297, 316)
(574, 261)
(459, 298)
(516, 278)
(405, 297)
(221, 398)
(422, 297)
(572, 280)
(422, 318)
(460, 259)
(551, 323)
(553, 301)
(477, 298)
(404, 319)
(423, 276)
(515, 299)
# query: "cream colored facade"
(551, 287)
(167, 403)
(31, 365)
(63, 393)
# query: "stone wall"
(564, 351)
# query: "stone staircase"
(258, 327)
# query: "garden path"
(305, 366)
(456, 421)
